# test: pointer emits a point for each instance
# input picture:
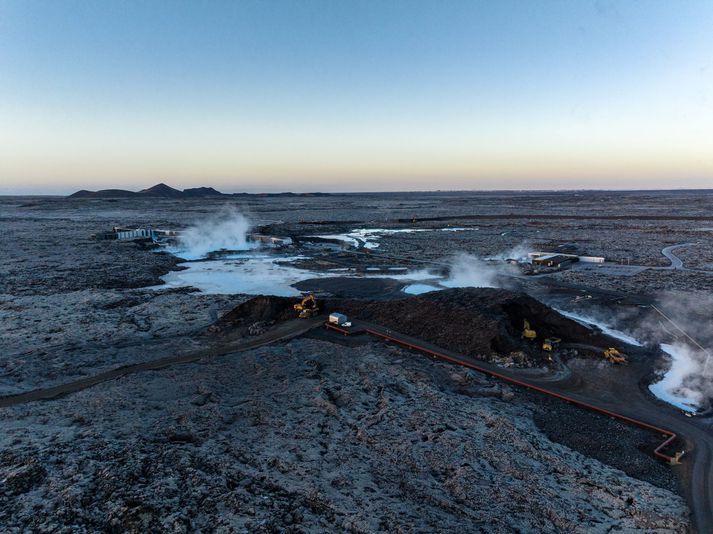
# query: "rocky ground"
(308, 437)
(51, 339)
(654, 281)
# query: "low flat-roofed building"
(537, 257)
(554, 260)
(591, 259)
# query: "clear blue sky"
(364, 95)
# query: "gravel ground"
(55, 338)
(631, 449)
(308, 437)
(652, 281)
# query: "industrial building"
(544, 258)
(130, 234)
(270, 240)
(121, 233)
(554, 260)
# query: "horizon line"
(395, 191)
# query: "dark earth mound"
(262, 308)
(344, 287)
(478, 322)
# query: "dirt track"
(629, 402)
(282, 331)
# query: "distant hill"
(158, 191)
(161, 190)
(104, 193)
(202, 192)
(166, 191)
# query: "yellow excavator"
(527, 332)
(551, 343)
(614, 356)
(307, 308)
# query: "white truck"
(339, 319)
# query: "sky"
(307, 95)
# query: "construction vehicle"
(527, 332)
(551, 343)
(614, 356)
(307, 307)
(676, 458)
(338, 319)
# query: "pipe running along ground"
(400, 339)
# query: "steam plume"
(227, 230)
(467, 270)
(690, 376)
(518, 252)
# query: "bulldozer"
(614, 356)
(307, 307)
(527, 332)
(551, 343)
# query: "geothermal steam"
(687, 384)
(690, 377)
(226, 230)
(469, 271)
(518, 252)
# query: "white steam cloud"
(686, 375)
(686, 372)
(519, 252)
(226, 230)
(687, 383)
(467, 270)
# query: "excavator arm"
(307, 307)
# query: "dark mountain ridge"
(165, 191)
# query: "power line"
(705, 350)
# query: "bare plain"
(269, 430)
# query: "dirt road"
(696, 471)
(626, 398)
(676, 262)
(280, 332)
